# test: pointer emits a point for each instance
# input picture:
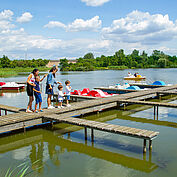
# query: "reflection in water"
(36, 156)
(11, 93)
(49, 141)
(57, 145)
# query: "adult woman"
(30, 85)
(49, 85)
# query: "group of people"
(33, 89)
(133, 75)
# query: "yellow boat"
(138, 78)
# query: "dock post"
(86, 133)
(92, 135)
(5, 112)
(24, 127)
(118, 105)
(154, 110)
(124, 106)
(69, 136)
(157, 111)
(157, 95)
(144, 146)
(150, 145)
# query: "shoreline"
(10, 72)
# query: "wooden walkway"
(122, 130)
(22, 120)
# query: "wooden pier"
(21, 120)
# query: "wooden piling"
(124, 106)
(150, 144)
(154, 110)
(144, 146)
(5, 112)
(157, 111)
(92, 134)
(24, 128)
(85, 133)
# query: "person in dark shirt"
(37, 94)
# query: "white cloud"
(143, 28)
(6, 25)
(95, 2)
(6, 15)
(78, 25)
(139, 30)
(85, 25)
(53, 24)
(5, 20)
(26, 17)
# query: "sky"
(54, 29)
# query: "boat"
(92, 93)
(138, 78)
(11, 86)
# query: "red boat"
(93, 93)
(11, 86)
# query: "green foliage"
(89, 56)
(5, 62)
(121, 61)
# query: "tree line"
(5, 62)
(120, 60)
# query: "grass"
(21, 170)
(9, 72)
(118, 67)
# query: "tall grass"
(9, 72)
(118, 67)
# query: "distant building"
(57, 63)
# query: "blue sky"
(71, 28)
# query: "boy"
(37, 94)
(68, 90)
(60, 96)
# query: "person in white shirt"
(129, 74)
(60, 96)
(68, 92)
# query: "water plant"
(24, 169)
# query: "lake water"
(62, 151)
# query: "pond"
(62, 150)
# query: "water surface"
(62, 150)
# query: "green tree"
(89, 56)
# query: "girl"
(49, 85)
(30, 85)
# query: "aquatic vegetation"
(21, 170)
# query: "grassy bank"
(9, 72)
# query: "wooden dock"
(20, 119)
(122, 130)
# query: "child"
(60, 96)
(37, 94)
(68, 90)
